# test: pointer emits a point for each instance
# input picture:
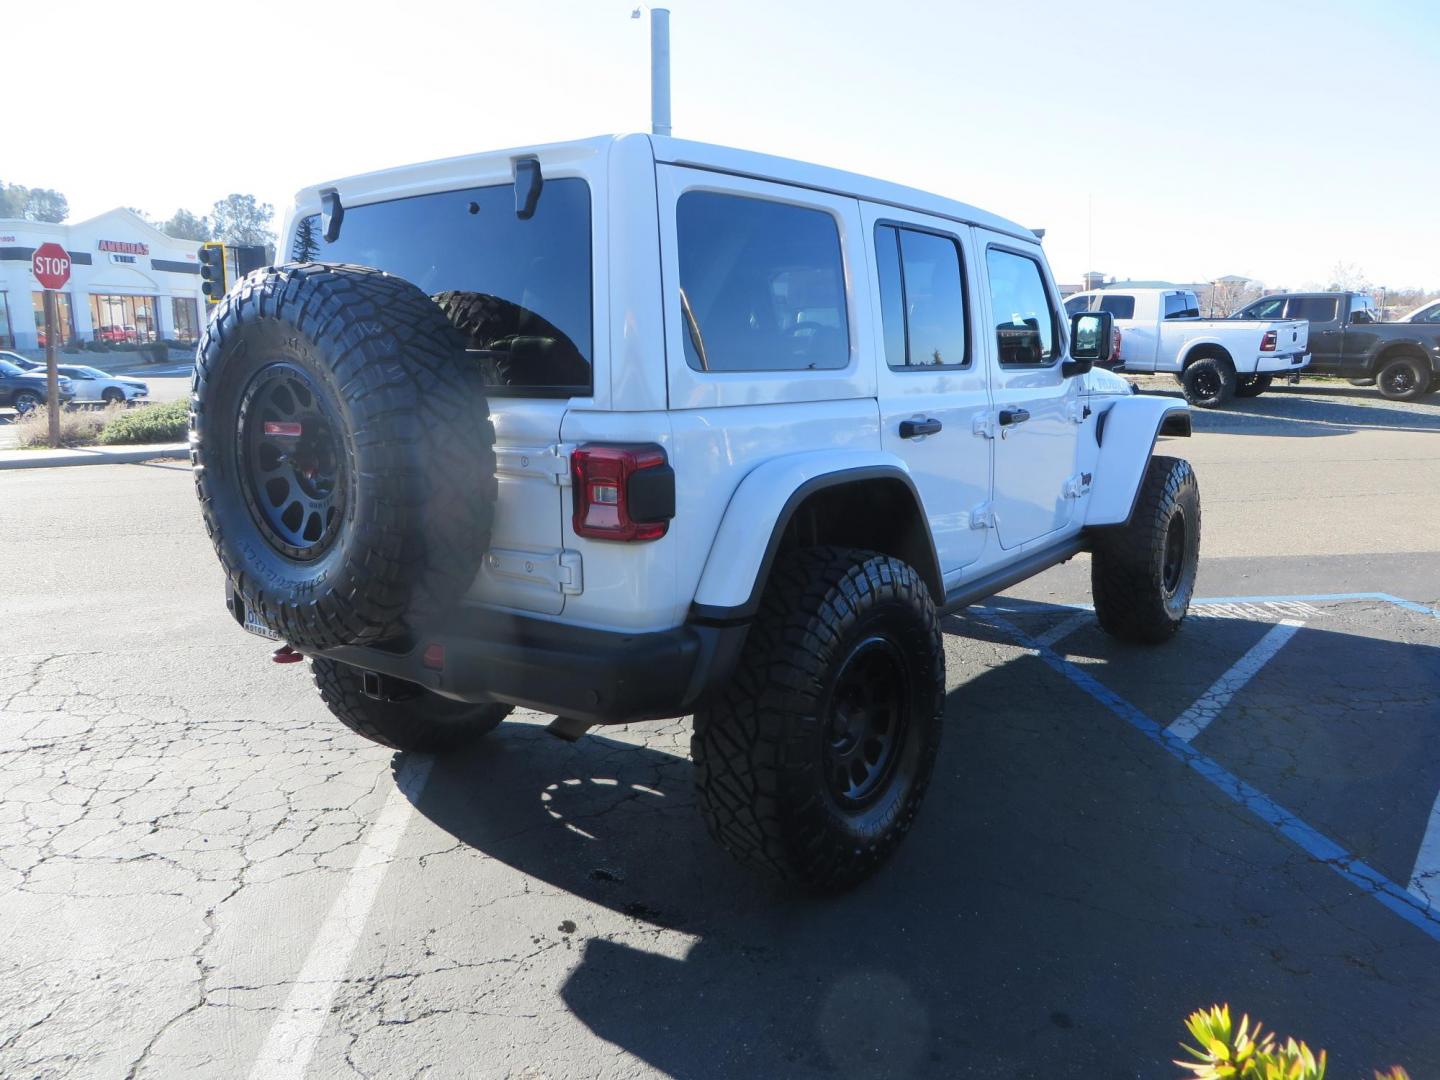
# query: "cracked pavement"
(178, 818)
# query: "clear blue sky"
(1270, 139)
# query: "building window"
(187, 321)
(124, 319)
(63, 318)
(7, 336)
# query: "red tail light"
(622, 492)
(1269, 341)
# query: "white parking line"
(1425, 878)
(1197, 717)
(291, 1042)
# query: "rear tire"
(25, 400)
(1248, 386)
(1403, 379)
(113, 397)
(1209, 382)
(813, 764)
(1142, 574)
(418, 721)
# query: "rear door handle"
(913, 429)
(1013, 416)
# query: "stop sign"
(51, 264)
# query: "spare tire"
(343, 453)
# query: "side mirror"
(1092, 338)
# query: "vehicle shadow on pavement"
(1068, 895)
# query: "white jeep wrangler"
(634, 427)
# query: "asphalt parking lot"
(203, 874)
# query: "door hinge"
(560, 571)
(983, 516)
(984, 425)
(1079, 412)
(538, 462)
(558, 466)
(1077, 485)
(572, 573)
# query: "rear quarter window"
(762, 285)
(519, 291)
(1119, 305)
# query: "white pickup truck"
(1214, 359)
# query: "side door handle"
(1013, 416)
(913, 429)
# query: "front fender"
(1127, 439)
(755, 520)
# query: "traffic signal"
(212, 271)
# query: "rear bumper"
(1269, 363)
(598, 676)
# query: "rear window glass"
(762, 285)
(1181, 306)
(1122, 307)
(518, 290)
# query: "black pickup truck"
(1347, 339)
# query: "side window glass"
(1024, 321)
(1433, 315)
(922, 298)
(1174, 306)
(1077, 304)
(1122, 307)
(1267, 309)
(892, 293)
(1314, 308)
(762, 285)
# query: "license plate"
(255, 626)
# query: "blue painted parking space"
(1319, 715)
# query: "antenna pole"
(660, 71)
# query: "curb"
(91, 455)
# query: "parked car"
(1425, 313)
(1214, 359)
(24, 363)
(1347, 339)
(92, 384)
(23, 389)
(746, 459)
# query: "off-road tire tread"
(750, 744)
(1123, 581)
(427, 723)
(422, 436)
(1252, 386)
(1228, 380)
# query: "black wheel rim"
(26, 400)
(1207, 383)
(1400, 379)
(1172, 566)
(867, 722)
(294, 470)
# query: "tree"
(1347, 277)
(46, 204)
(239, 219)
(186, 226)
(33, 204)
(307, 240)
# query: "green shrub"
(97, 346)
(1247, 1053)
(169, 422)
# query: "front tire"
(813, 764)
(414, 719)
(1142, 574)
(1403, 379)
(1209, 382)
(25, 400)
(113, 397)
(1249, 386)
